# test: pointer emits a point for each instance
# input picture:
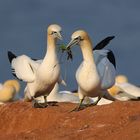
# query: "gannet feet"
(79, 107)
(95, 103)
(35, 104)
(83, 106)
(92, 104)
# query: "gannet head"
(12, 83)
(121, 79)
(77, 38)
(55, 31)
(114, 90)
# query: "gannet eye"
(78, 38)
(53, 32)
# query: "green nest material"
(68, 51)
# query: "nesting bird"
(114, 90)
(123, 90)
(97, 71)
(8, 90)
(40, 77)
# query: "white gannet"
(97, 71)
(40, 77)
(8, 90)
(123, 90)
(104, 100)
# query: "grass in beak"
(63, 49)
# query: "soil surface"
(115, 121)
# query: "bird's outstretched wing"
(105, 67)
(23, 67)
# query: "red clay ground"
(116, 121)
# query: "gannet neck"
(51, 48)
(51, 41)
(86, 47)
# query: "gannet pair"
(123, 90)
(41, 76)
(68, 96)
(8, 90)
(97, 71)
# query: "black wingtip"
(111, 57)
(11, 56)
(103, 43)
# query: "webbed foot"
(35, 104)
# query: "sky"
(23, 26)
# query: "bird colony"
(96, 76)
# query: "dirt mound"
(117, 121)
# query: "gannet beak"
(72, 43)
(59, 36)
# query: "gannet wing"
(23, 67)
(103, 43)
(106, 67)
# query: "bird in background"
(8, 91)
(123, 90)
(40, 76)
(97, 71)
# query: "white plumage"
(129, 88)
(40, 77)
(123, 90)
(96, 73)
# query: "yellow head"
(7, 93)
(121, 79)
(54, 30)
(114, 90)
(12, 83)
(77, 38)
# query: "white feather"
(129, 88)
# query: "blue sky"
(23, 25)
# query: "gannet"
(8, 90)
(40, 77)
(123, 90)
(97, 71)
